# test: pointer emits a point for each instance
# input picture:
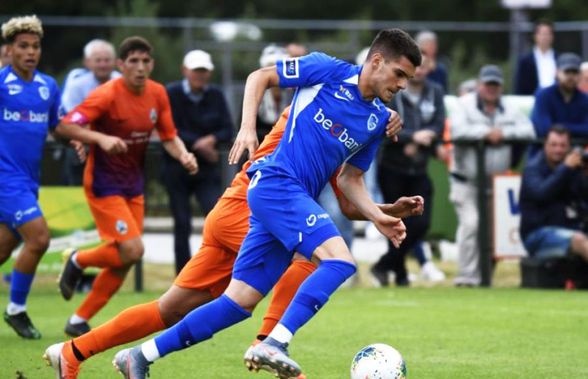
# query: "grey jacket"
(469, 122)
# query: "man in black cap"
(480, 115)
(562, 103)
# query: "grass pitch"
(441, 332)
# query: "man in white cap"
(202, 117)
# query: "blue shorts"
(17, 207)
(284, 219)
(549, 242)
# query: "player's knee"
(39, 242)
(131, 251)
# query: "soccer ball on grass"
(378, 361)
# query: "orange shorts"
(117, 218)
(224, 231)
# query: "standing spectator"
(548, 228)
(583, 82)
(427, 41)
(275, 99)
(402, 168)
(483, 115)
(4, 57)
(562, 103)
(30, 103)
(203, 120)
(99, 58)
(536, 69)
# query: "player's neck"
(367, 93)
(137, 90)
(23, 74)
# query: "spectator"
(583, 82)
(99, 59)
(483, 115)
(536, 69)
(202, 117)
(427, 41)
(274, 99)
(4, 57)
(402, 169)
(548, 227)
(562, 103)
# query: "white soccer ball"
(378, 361)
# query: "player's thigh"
(114, 218)
(333, 248)
(35, 233)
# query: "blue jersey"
(28, 110)
(329, 122)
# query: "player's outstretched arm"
(110, 144)
(351, 183)
(257, 82)
(176, 148)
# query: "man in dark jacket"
(202, 118)
(550, 226)
(402, 165)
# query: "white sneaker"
(431, 273)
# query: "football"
(378, 361)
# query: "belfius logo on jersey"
(336, 130)
(25, 115)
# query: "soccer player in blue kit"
(337, 117)
(29, 102)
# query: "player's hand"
(393, 228)
(246, 140)
(188, 161)
(405, 207)
(80, 149)
(394, 125)
(112, 145)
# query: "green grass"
(442, 333)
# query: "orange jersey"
(238, 188)
(114, 110)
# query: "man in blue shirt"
(550, 226)
(337, 116)
(562, 103)
(30, 104)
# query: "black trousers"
(180, 186)
(394, 185)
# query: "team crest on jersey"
(153, 115)
(14, 89)
(44, 92)
(122, 227)
(372, 122)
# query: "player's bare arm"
(110, 144)
(175, 147)
(351, 183)
(257, 82)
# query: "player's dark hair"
(394, 44)
(132, 44)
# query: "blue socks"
(200, 325)
(315, 291)
(20, 286)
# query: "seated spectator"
(562, 103)
(549, 226)
(483, 115)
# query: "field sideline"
(442, 333)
